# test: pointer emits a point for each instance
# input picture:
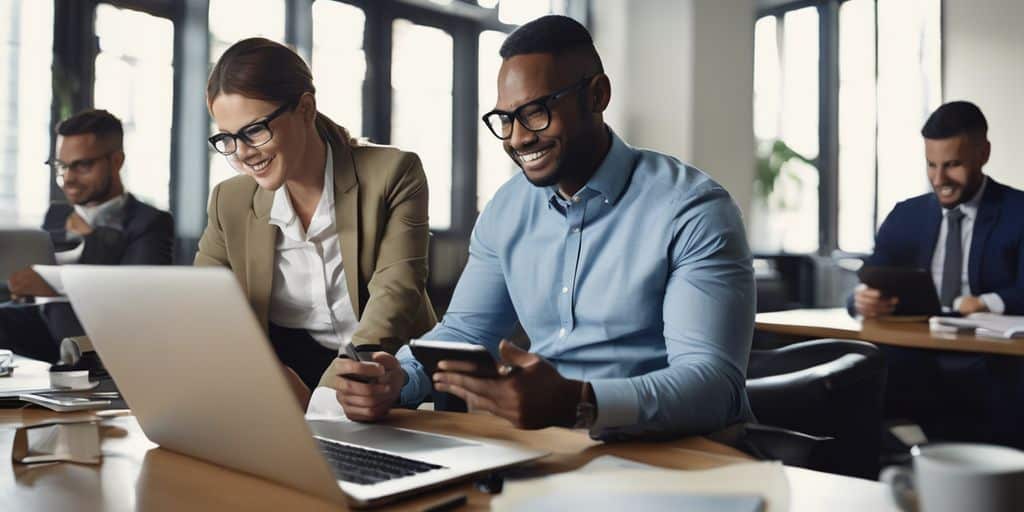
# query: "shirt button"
(565, 289)
(575, 199)
(575, 230)
(561, 332)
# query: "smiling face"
(954, 167)
(272, 163)
(97, 162)
(548, 156)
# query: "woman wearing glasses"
(327, 236)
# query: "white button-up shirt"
(308, 290)
(108, 214)
(992, 301)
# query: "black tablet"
(914, 287)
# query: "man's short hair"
(953, 119)
(554, 35)
(96, 121)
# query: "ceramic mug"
(958, 477)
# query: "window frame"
(827, 160)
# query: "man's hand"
(870, 303)
(971, 304)
(532, 395)
(27, 283)
(77, 225)
(366, 401)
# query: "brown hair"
(99, 122)
(262, 69)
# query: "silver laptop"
(21, 248)
(200, 376)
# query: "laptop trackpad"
(384, 438)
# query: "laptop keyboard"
(362, 466)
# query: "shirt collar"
(611, 176)
(970, 208)
(282, 213)
(106, 213)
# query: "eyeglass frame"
(239, 135)
(543, 101)
(75, 166)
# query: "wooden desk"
(836, 323)
(136, 475)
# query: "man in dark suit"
(100, 224)
(969, 233)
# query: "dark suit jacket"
(147, 238)
(908, 236)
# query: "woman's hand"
(366, 401)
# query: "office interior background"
(807, 111)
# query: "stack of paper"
(613, 484)
(981, 324)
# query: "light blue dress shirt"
(641, 284)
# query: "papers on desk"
(981, 324)
(610, 483)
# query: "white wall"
(983, 62)
(682, 82)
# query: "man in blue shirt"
(628, 270)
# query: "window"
(339, 63)
(517, 12)
(886, 58)
(421, 120)
(231, 21)
(786, 121)
(494, 167)
(856, 125)
(26, 55)
(134, 81)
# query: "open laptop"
(191, 360)
(20, 248)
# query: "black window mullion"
(828, 127)
(377, 85)
(465, 110)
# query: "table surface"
(137, 475)
(837, 323)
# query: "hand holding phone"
(431, 352)
(361, 353)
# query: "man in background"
(100, 224)
(969, 232)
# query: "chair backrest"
(825, 387)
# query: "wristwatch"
(586, 408)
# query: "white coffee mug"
(958, 477)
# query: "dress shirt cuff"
(617, 404)
(418, 386)
(993, 302)
(323, 404)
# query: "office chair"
(826, 388)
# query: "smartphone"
(431, 352)
(64, 403)
(362, 353)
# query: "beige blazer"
(381, 214)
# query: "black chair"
(825, 388)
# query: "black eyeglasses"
(534, 116)
(78, 167)
(253, 135)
